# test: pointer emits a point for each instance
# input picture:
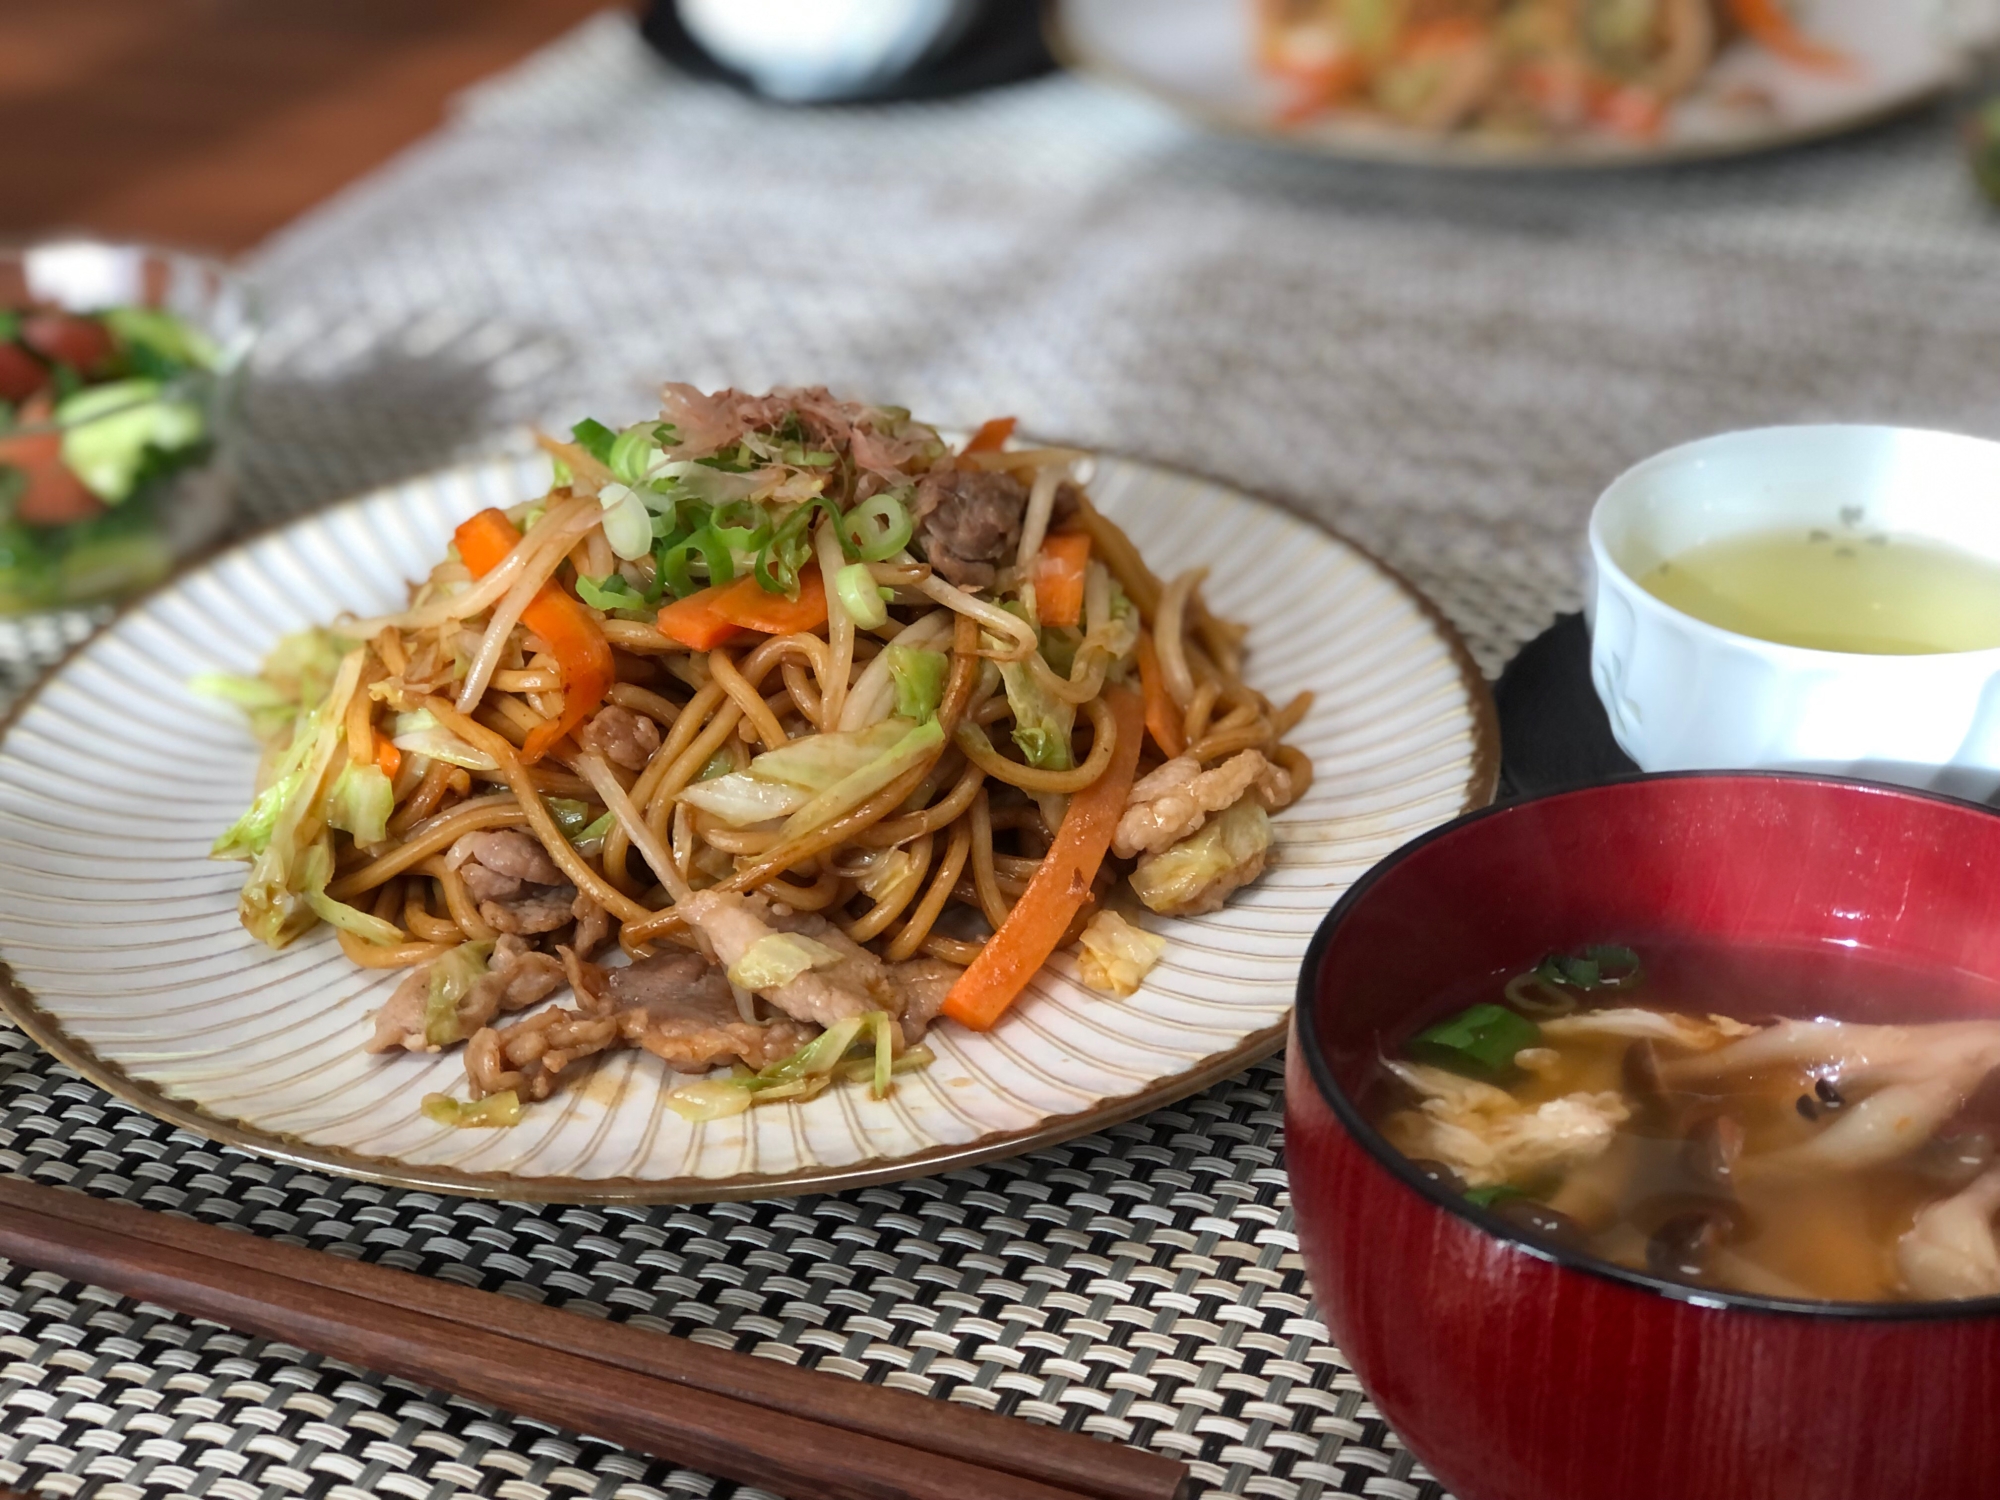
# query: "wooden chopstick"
(748, 1419)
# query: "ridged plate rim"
(22, 1006)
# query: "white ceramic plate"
(127, 961)
(1197, 57)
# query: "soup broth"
(1838, 590)
(1699, 1115)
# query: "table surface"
(212, 122)
(1447, 368)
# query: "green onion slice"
(1481, 1041)
(614, 594)
(594, 438)
(860, 597)
(876, 529)
(633, 451)
(790, 547)
(704, 544)
(1603, 966)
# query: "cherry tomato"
(54, 496)
(21, 374)
(84, 344)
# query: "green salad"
(97, 412)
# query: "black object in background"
(1002, 44)
(1554, 734)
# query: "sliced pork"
(519, 889)
(516, 977)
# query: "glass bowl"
(119, 369)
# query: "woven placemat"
(1446, 368)
(1143, 1284)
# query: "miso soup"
(1812, 1125)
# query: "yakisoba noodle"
(831, 727)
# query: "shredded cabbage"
(299, 671)
(573, 817)
(919, 678)
(304, 664)
(821, 1054)
(817, 761)
(885, 1053)
(781, 782)
(702, 1099)
(807, 1072)
(1042, 721)
(361, 801)
(250, 835)
(1192, 875)
(1116, 955)
(776, 959)
(858, 786)
(1113, 618)
(863, 1070)
(421, 734)
(495, 1110)
(589, 841)
(1060, 644)
(742, 799)
(571, 814)
(268, 707)
(453, 974)
(288, 817)
(885, 877)
(317, 870)
(694, 480)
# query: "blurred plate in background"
(1198, 58)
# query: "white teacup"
(1686, 695)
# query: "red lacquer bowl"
(1517, 1372)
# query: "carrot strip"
(1059, 577)
(747, 603)
(1061, 883)
(1163, 720)
(719, 614)
(484, 540)
(388, 759)
(1771, 26)
(573, 635)
(992, 436)
(695, 624)
(580, 649)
